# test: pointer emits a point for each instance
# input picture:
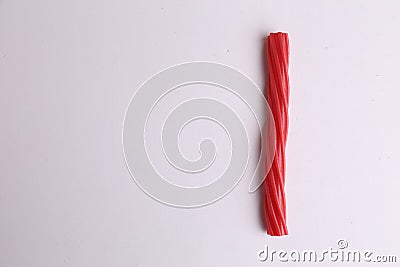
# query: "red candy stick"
(278, 98)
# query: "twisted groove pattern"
(278, 98)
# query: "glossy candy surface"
(277, 51)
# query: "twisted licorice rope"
(278, 98)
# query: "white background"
(69, 68)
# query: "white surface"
(69, 68)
